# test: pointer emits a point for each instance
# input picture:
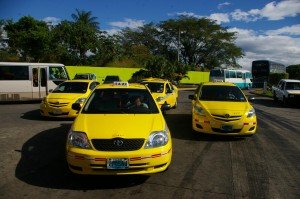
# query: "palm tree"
(85, 18)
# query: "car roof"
(151, 79)
(129, 86)
(81, 80)
(218, 84)
(291, 80)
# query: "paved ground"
(263, 166)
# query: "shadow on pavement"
(35, 115)
(43, 164)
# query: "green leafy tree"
(293, 71)
(200, 42)
(29, 38)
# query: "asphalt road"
(265, 165)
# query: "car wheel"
(275, 97)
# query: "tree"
(200, 42)
(293, 71)
(84, 35)
(29, 38)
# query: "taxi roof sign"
(116, 83)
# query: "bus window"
(14, 73)
(232, 74)
(35, 77)
(239, 75)
(43, 77)
(227, 73)
(57, 72)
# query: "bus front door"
(39, 82)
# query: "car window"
(155, 87)
(72, 87)
(221, 93)
(121, 101)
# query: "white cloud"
(272, 11)
(127, 23)
(112, 31)
(221, 5)
(52, 20)
(278, 11)
(189, 14)
(220, 17)
(287, 30)
(278, 48)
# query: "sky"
(265, 29)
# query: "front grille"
(64, 113)
(223, 131)
(118, 144)
(227, 119)
(57, 105)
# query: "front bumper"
(143, 161)
(57, 112)
(209, 125)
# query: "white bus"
(241, 78)
(29, 81)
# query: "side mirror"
(192, 97)
(165, 107)
(76, 106)
(251, 99)
(169, 91)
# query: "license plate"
(117, 163)
(57, 111)
(226, 128)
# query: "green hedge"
(274, 78)
(194, 77)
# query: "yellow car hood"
(64, 96)
(222, 108)
(107, 126)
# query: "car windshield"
(118, 101)
(155, 87)
(72, 87)
(221, 93)
(293, 86)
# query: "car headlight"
(80, 100)
(44, 100)
(199, 110)
(157, 139)
(159, 99)
(78, 139)
(251, 113)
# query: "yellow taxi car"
(59, 102)
(120, 130)
(163, 91)
(221, 108)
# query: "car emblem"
(227, 115)
(56, 102)
(118, 142)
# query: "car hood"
(222, 108)
(64, 96)
(107, 126)
(294, 92)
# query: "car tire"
(275, 97)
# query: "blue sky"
(265, 29)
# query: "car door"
(170, 95)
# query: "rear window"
(221, 93)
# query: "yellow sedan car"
(222, 109)
(163, 91)
(120, 130)
(59, 102)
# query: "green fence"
(194, 77)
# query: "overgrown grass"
(260, 91)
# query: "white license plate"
(57, 111)
(226, 128)
(117, 163)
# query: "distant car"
(120, 130)
(59, 102)
(221, 108)
(162, 90)
(91, 76)
(111, 79)
(287, 91)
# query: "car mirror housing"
(251, 98)
(76, 106)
